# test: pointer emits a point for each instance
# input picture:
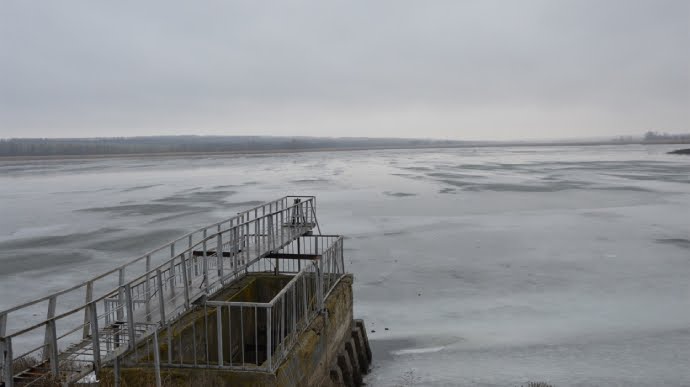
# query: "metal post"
(47, 339)
(121, 296)
(52, 348)
(219, 254)
(130, 315)
(161, 300)
(205, 258)
(319, 285)
(8, 360)
(219, 326)
(3, 324)
(186, 281)
(171, 273)
(147, 287)
(269, 359)
(95, 341)
(89, 297)
(117, 371)
(156, 358)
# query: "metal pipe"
(156, 359)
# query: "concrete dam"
(259, 299)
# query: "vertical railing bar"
(219, 325)
(185, 280)
(230, 333)
(172, 268)
(242, 333)
(269, 358)
(205, 265)
(161, 300)
(87, 300)
(52, 304)
(219, 254)
(147, 287)
(8, 360)
(130, 315)
(120, 295)
(53, 348)
(256, 336)
(95, 340)
(156, 358)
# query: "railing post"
(147, 287)
(219, 329)
(186, 281)
(53, 348)
(121, 296)
(7, 362)
(319, 285)
(171, 274)
(156, 358)
(269, 356)
(161, 299)
(87, 300)
(95, 341)
(219, 254)
(47, 340)
(205, 266)
(3, 324)
(130, 315)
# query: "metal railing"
(251, 335)
(68, 334)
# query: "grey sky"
(444, 69)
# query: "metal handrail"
(239, 228)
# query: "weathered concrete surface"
(309, 363)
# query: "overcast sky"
(443, 69)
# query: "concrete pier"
(259, 299)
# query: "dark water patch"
(141, 209)
(310, 181)
(399, 194)
(451, 175)
(447, 191)
(456, 183)
(503, 187)
(249, 203)
(55, 240)
(675, 178)
(623, 188)
(200, 210)
(417, 169)
(395, 233)
(679, 242)
(33, 260)
(680, 152)
(140, 187)
(138, 242)
(217, 197)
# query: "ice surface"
(486, 267)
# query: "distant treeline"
(195, 144)
(666, 138)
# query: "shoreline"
(312, 150)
